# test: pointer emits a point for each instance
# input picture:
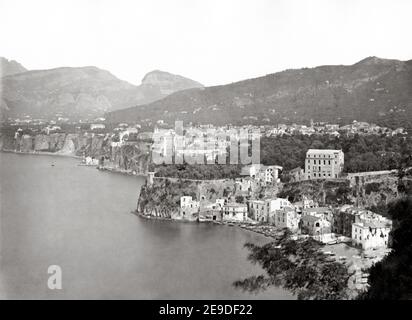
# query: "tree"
(298, 266)
(240, 199)
(391, 278)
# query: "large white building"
(323, 164)
(264, 210)
(234, 212)
(371, 234)
(266, 174)
(287, 218)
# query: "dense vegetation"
(298, 266)
(197, 171)
(325, 192)
(165, 195)
(362, 153)
(298, 95)
(391, 278)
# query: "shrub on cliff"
(298, 266)
(391, 278)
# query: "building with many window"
(235, 212)
(287, 218)
(371, 234)
(323, 164)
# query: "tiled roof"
(323, 151)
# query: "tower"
(150, 178)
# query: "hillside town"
(326, 224)
(351, 234)
(101, 125)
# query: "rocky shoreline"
(357, 263)
(121, 171)
(41, 153)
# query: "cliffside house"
(297, 174)
(323, 164)
(263, 210)
(371, 234)
(270, 174)
(97, 126)
(260, 172)
(258, 211)
(211, 211)
(91, 161)
(304, 204)
(51, 129)
(188, 207)
(343, 218)
(243, 185)
(287, 218)
(234, 212)
(320, 212)
(314, 226)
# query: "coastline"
(355, 283)
(266, 230)
(41, 153)
(120, 171)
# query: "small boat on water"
(52, 164)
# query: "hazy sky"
(213, 42)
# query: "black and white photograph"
(205, 150)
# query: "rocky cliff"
(162, 198)
(375, 192)
(131, 156)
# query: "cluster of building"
(261, 173)
(362, 227)
(356, 127)
(204, 143)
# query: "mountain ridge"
(79, 92)
(10, 67)
(367, 91)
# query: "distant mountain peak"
(156, 76)
(168, 82)
(9, 67)
(81, 92)
(375, 60)
(372, 90)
